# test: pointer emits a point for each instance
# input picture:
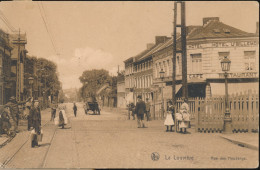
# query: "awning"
(167, 91)
(218, 89)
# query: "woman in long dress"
(185, 113)
(169, 121)
(61, 120)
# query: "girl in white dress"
(169, 121)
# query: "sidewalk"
(4, 139)
(248, 140)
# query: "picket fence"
(207, 114)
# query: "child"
(169, 121)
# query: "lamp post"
(30, 79)
(162, 77)
(225, 65)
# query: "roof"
(213, 29)
(150, 51)
(217, 29)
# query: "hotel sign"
(223, 44)
(240, 75)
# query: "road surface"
(110, 141)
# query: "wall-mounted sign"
(195, 76)
(240, 75)
(223, 44)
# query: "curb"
(243, 144)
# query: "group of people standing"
(182, 118)
(9, 117)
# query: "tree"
(92, 80)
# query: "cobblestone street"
(111, 141)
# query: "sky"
(95, 35)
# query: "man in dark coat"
(35, 115)
(75, 109)
(139, 111)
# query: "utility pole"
(182, 25)
(18, 42)
(182, 50)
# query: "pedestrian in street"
(139, 111)
(75, 109)
(53, 111)
(14, 110)
(35, 123)
(169, 121)
(185, 116)
(61, 120)
(147, 106)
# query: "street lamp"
(162, 77)
(30, 79)
(225, 65)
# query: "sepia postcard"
(129, 84)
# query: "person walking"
(61, 120)
(53, 111)
(75, 110)
(169, 121)
(35, 123)
(139, 111)
(147, 106)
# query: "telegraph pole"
(182, 51)
(182, 25)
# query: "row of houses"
(12, 59)
(207, 45)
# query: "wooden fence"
(244, 110)
(207, 114)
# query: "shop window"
(249, 57)
(196, 65)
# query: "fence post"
(196, 114)
(250, 116)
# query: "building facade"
(207, 45)
(121, 98)
(139, 71)
(5, 68)
(18, 42)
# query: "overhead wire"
(6, 21)
(46, 27)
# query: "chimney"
(150, 45)
(257, 28)
(161, 39)
(207, 19)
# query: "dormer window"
(227, 31)
(216, 30)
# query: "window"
(196, 63)
(249, 57)
(168, 68)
